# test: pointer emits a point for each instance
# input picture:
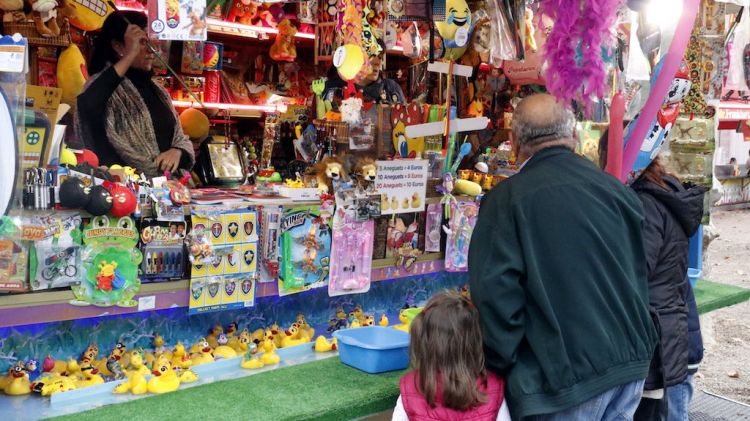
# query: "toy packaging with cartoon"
(306, 249)
(179, 20)
(224, 272)
(110, 263)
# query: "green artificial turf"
(711, 296)
(322, 390)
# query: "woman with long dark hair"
(122, 115)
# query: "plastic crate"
(373, 349)
(693, 276)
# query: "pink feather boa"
(584, 23)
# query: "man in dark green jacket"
(557, 271)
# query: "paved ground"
(726, 333)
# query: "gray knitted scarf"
(130, 129)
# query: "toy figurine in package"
(110, 262)
(55, 261)
(196, 84)
(433, 228)
(13, 257)
(270, 222)
(306, 249)
(351, 255)
(192, 58)
(163, 250)
(461, 225)
(181, 20)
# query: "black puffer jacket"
(672, 217)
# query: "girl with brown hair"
(449, 380)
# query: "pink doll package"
(461, 225)
(351, 256)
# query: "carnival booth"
(342, 148)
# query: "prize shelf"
(53, 306)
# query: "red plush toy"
(88, 157)
(123, 199)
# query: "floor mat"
(709, 407)
(712, 296)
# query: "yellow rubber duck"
(304, 327)
(323, 345)
(60, 367)
(404, 326)
(358, 313)
(258, 336)
(17, 382)
(277, 334)
(354, 324)
(383, 320)
(269, 357)
(73, 369)
(136, 364)
(91, 377)
(101, 365)
(369, 320)
(213, 337)
(179, 354)
(165, 379)
(187, 376)
(159, 348)
(384, 203)
(136, 383)
(250, 360)
(234, 337)
(222, 350)
(90, 353)
(293, 337)
(241, 343)
(204, 356)
(57, 384)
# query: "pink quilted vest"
(417, 409)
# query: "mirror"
(9, 155)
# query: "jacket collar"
(543, 154)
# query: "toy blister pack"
(461, 226)
(268, 248)
(224, 252)
(351, 255)
(306, 249)
(109, 261)
(162, 246)
(55, 261)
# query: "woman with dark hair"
(122, 115)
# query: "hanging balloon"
(349, 60)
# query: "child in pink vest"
(449, 380)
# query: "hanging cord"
(164, 63)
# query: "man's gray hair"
(532, 130)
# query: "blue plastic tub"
(693, 276)
(373, 349)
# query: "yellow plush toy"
(90, 14)
(71, 74)
(456, 28)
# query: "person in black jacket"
(673, 214)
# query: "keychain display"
(433, 228)
(110, 262)
(351, 255)
(268, 249)
(55, 260)
(460, 227)
(306, 249)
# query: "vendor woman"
(122, 115)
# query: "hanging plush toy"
(89, 15)
(351, 59)
(71, 74)
(283, 48)
(665, 118)
(456, 28)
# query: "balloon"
(349, 60)
(615, 140)
(659, 89)
(68, 157)
(88, 157)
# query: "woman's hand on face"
(135, 39)
(169, 160)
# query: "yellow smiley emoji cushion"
(456, 28)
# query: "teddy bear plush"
(283, 48)
(329, 172)
(243, 11)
